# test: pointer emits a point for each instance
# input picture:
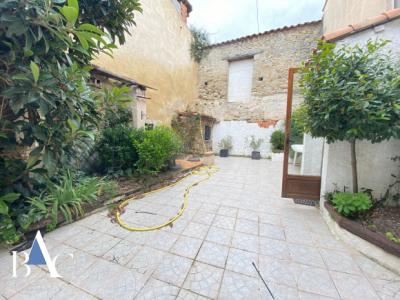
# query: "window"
(207, 133)
(240, 80)
(396, 3)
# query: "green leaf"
(70, 13)
(3, 208)
(91, 28)
(82, 39)
(73, 124)
(24, 221)
(35, 71)
(10, 197)
(74, 4)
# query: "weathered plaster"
(158, 54)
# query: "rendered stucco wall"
(374, 160)
(240, 132)
(340, 13)
(311, 161)
(158, 54)
(274, 53)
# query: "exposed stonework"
(274, 52)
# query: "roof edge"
(255, 35)
(120, 78)
(343, 32)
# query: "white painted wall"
(374, 164)
(240, 130)
(311, 161)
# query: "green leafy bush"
(277, 140)
(156, 149)
(117, 148)
(48, 113)
(351, 204)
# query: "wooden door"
(296, 184)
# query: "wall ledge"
(383, 258)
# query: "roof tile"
(353, 28)
(247, 37)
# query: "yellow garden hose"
(207, 170)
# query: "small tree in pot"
(255, 145)
(225, 145)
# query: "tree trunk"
(354, 166)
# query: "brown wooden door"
(296, 184)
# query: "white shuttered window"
(240, 80)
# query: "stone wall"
(157, 54)
(274, 53)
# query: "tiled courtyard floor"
(234, 219)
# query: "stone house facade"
(243, 82)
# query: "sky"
(229, 19)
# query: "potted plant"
(255, 145)
(277, 141)
(225, 145)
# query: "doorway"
(302, 162)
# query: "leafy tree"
(47, 109)
(198, 48)
(352, 93)
(115, 17)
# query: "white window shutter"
(240, 80)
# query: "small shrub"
(254, 143)
(156, 149)
(116, 149)
(198, 48)
(351, 205)
(66, 197)
(391, 236)
(277, 140)
(226, 143)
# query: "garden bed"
(128, 187)
(384, 220)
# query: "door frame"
(296, 186)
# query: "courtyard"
(234, 219)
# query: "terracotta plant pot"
(224, 153)
(255, 155)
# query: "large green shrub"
(158, 147)
(351, 205)
(48, 113)
(352, 93)
(277, 140)
(117, 149)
